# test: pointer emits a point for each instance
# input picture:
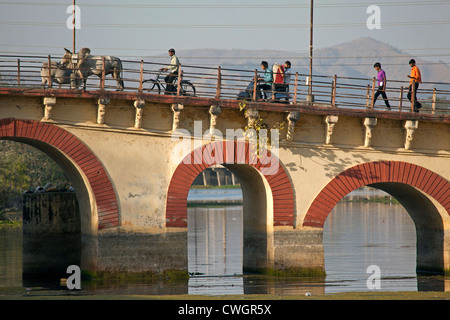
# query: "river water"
(357, 235)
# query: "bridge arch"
(266, 188)
(95, 192)
(424, 194)
(233, 155)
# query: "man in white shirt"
(173, 68)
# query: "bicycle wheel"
(153, 87)
(187, 88)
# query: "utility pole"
(73, 26)
(310, 97)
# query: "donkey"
(59, 73)
(86, 65)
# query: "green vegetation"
(385, 200)
(228, 186)
(135, 277)
(23, 167)
(288, 272)
(9, 223)
(258, 131)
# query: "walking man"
(415, 78)
(173, 68)
(381, 78)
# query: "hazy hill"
(350, 59)
(356, 58)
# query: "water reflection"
(356, 235)
(215, 241)
(215, 250)
(10, 256)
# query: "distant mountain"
(356, 59)
(349, 59)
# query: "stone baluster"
(214, 112)
(139, 105)
(369, 123)
(410, 126)
(252, 116)
(176, 108)
(49, 102)
(331, 122)
(102, 103)
(292, 118)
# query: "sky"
(146, 28)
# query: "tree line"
(23, 167)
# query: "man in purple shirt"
(381, 79)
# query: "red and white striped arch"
(72, 147)
(228, 152)
(376, 172)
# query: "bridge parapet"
(226, 85)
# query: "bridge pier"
(285, 251)
(156, 251)
(298, 251)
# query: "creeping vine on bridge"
(257, 130)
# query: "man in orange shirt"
(416, 78)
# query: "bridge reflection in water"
(357, 234)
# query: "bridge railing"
(225, 83)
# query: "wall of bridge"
(132, 143)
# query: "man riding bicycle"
(173, 68)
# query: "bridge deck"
(333, 95)
(302, 107)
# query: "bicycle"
(186, 89)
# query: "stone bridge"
(132, 157)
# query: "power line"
(229, 6)
(293, 54)
(203, 50)
(290, 57)
(215, 26)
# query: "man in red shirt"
(415, 78)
